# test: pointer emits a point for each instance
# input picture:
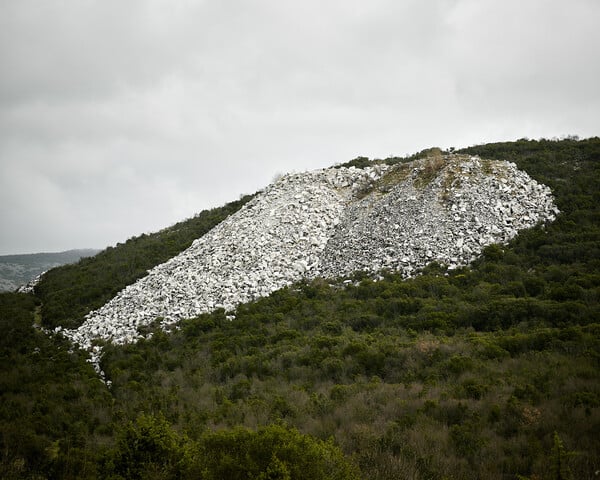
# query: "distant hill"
(16, 270)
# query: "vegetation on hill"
(490, 371)
(69, 292)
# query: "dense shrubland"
(490, 371)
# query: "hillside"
(485, 370)
(17, 270)
(71, 291)
(331, 223)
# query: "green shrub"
(148, 448)
(272, 452)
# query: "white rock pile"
(466, 205)
(330, 223)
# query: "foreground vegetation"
(490, 371)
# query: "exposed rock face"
(331, 223)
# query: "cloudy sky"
(123, 117)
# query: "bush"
(272, 452)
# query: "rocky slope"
(331, 223)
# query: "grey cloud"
(123, 117)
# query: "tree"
(148, 448)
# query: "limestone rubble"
(330, 223)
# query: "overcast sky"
(124, 117)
